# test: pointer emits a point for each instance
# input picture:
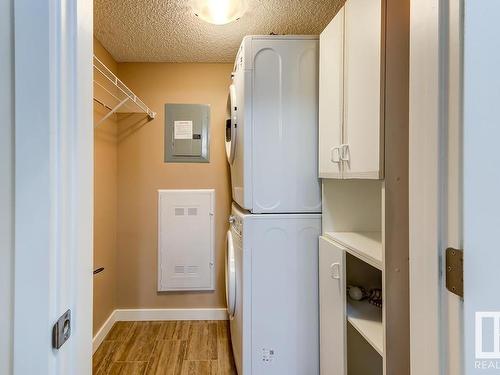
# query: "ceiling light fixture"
(219, 12)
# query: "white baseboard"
(170, 314)
(103, 331)
(127, 315)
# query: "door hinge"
(455, 271)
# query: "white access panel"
(186, 239)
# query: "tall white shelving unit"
(363, 161)
(353, 229)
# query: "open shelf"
(114, 95)
(367, 320)
(366, 246)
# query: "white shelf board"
(366, 246)
(367, 320)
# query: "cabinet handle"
(335, 271)
(335, 155)
(345, 152)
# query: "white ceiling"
(168, 31)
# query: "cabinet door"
(363, 124)
(332, 305)
(331, 77)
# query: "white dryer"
(272, 290)
(272, 133)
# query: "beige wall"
(129, 169)
(141, 172)
(105, 205)
(6, 186)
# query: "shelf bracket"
(111, 112)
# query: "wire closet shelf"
(114, 95)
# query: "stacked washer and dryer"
(272, 244)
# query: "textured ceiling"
(168, 31)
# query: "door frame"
(424, 159)
(436, 74)
(53, 184)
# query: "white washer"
(272, 133)
(234, 282)
(272, 280)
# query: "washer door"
(230, 276)
(231, 124)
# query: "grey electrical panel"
(187, 137)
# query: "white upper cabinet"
(351, 88)
(362, 89)
(331, 97)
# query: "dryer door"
(231, 124)
(230, 276)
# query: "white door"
(331, 97)
(481, 186)
(332, 308)
(53, 185)
(363, 128)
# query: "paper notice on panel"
(183, 129)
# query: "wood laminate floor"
(166, 348)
